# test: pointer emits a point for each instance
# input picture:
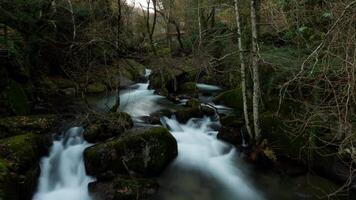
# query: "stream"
(205, 169)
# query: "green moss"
(136, 69)
(107, 126)
(144, 151)
(11, 126)
(96, 88)
(231, 98)
(24, 151)
(187, 88)
(232, 120)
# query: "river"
(205, 169)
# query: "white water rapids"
(63, 174)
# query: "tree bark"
(243, 70)
(256, 79)
(199, 25)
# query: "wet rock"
(155, 118)
(106, 126)
(124, 189)
(146, 152)
(184, 114)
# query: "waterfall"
(200, 150)
(63, 175)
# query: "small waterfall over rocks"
(63, 174)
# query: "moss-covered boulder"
(189, 88)
(231, 98)
(146, 152)
(184, 114)
(106, 126)
(19, 158)
(11, 126)
(137, 70)
(124, 189)
(193, 109)
(230, 131)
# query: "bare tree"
(255, 70)
(243, 68)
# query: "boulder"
(184, 114)
(188, 88)
(231, 98)
(106, 126)
(19, 158)
(155, 118)
(123, 189)
(231, 129)
(142, 151)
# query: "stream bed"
(205, 169)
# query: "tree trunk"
(243, 70)
(199, 24)
(119, 22)
(256, 80)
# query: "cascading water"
(63, 173)
(199, 150)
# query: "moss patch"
(231, 98)
(107, 126)
(146, 152)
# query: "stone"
(145, 151)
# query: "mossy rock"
(40, 124)
(107, 126)
(16, 98)
(23, 151)
(146, 152)
(168, 80)
(19, 158)
(96, 88)
(231, 98)
(124, 189)
(231, 129)
(188, 88)
(193, 103)
(232, 120)
(136, 69)
(184, 114)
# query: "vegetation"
(287, 69)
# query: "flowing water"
(63, 174)
(205, 169)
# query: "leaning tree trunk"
(256, 80)
(243, 70)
